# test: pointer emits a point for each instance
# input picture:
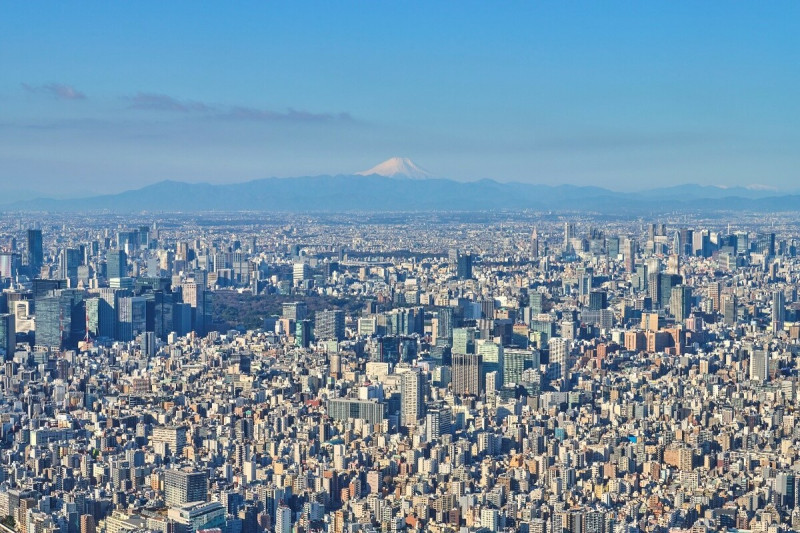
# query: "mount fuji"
(397, 167)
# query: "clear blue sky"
(105, 96)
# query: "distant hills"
(400, 185)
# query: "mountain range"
(400, 185)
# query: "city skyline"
(616, 95)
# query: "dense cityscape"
(363, 372)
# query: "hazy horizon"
(620, 96)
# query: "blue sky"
(107, 96)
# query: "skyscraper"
(60, 319)
(116, 264)
(759, 364)
(534, 244)
(467, 374)
(680, 303)
(730, 309)
(412, 397)
(182, 487)
(131, 317)
(329, 325)
(778, 311)
(35, 251)
(493, 360)
(464, 269)
(8, 336)
(559, 350)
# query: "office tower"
(785, 487)
(452, 257)
(630, 255)
(467, 374)
(148, 343)
(598, 300)
(329, 325)
(730, 309)
(535, 302)
(295, 310)
(182, 487)
(9, 265)
(680, 303)
(107, 312)
(283, 519)
(131, 317)
(438, 422)
(446, 318)
(8, 336)
(714, 294)
(116, 264)
(493, 359)
(569, 234)
(412, 397)
(88, 524)
(759, 364)
(515, 362)
(68, 262)
(302, 333)
(534, 244)
(559, 351)
(35, 251)
(464, 269)
(199, 299)
(61, 319)
(778, 311)
(463, 340)
(613, 247)
(300, 273)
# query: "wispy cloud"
(163, 102)
(59, 91)
(293, 115)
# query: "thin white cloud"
(163, 102)
(59, 91)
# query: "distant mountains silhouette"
(380, 193)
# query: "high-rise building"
(464, 268)
(9, 265)
(283, 519)
(598, 300)
(131, 317)
(493, 360)
(116, 264)
(730, 309)
(630, 255)
(182, 487)
(559, 351)
(778, 311)
(295, 310)
(680, 303)
(300, 273)
(759, 364)
(714, 294)
(8, 336)
(329, 325)
(438, 422)
(467, 374)
(88, 524)
(35, 251)
(534, 244)
(60, 319)
(464, 340)
(412, 397)
(446, 321)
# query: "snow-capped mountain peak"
(397, 167)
